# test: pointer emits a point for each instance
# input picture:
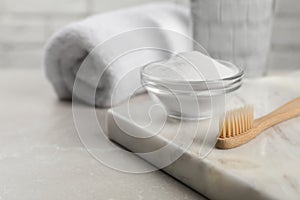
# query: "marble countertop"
(41, 156)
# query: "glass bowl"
(191, 99)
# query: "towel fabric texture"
(104, 53)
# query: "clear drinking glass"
(235, 30)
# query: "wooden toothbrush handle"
(289, 110)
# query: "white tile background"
(286, 35)
(25, 25)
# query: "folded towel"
(115, 45)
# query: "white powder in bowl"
(190, 66)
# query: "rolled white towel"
(115, 45)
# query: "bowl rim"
(238, 75)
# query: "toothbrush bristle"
(236, 122)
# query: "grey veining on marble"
(41, 156)
(265, 168)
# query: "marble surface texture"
(41, 156)
(265, 168)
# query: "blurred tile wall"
(286, 35)
(25, 25)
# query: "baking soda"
(190, 66)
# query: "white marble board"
(268, 167)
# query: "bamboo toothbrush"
(239, 127)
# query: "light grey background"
(25, 26)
